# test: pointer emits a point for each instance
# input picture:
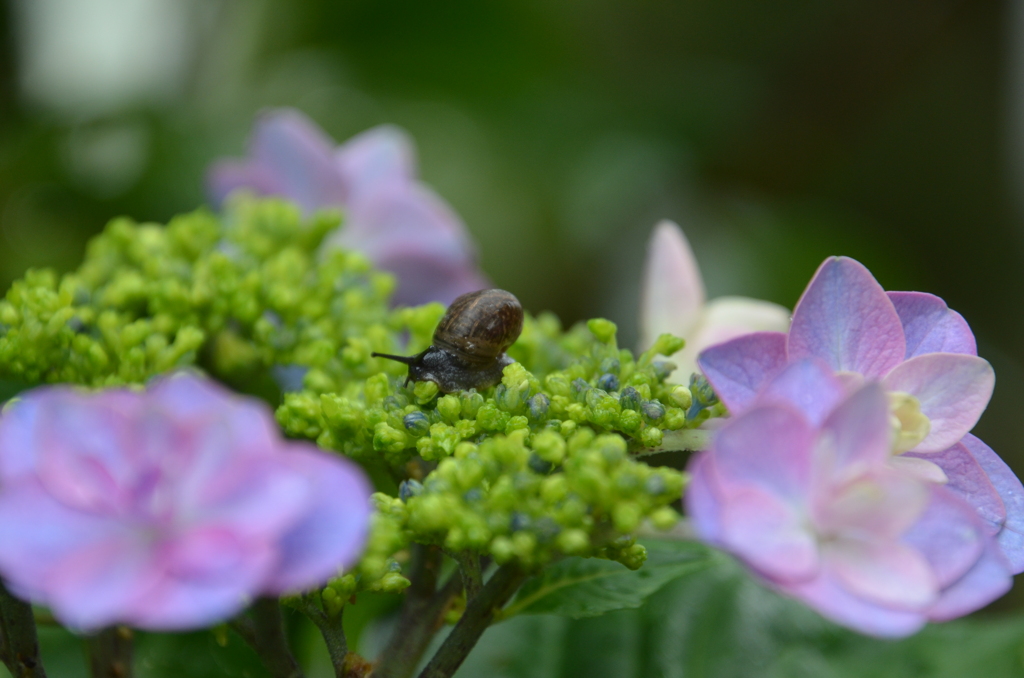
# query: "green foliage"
(716, 622)
(578, 587)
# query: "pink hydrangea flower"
(674, 301)
(390, 216)
(799, 487)
(168, 508)
(920, 351)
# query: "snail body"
(468, 350)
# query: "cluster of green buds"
(242, 295)
(540, 466)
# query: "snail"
(469, 343)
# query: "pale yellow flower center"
(910, 424)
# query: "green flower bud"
(549, 446)
(471, 402)
(626, 516)
(681, 397)
(502, 549)
(630, 399)
(450, 408)
(664, 518)
(574, 542)
(603, 330)
(651, 436)
(630, 421)
(388, 439)
(424, 391)
(416, 423)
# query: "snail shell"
(480, 326)
(469, 343)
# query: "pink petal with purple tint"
(856, 435)
(954, 389)
(930, 326)
(887, 573)
(1006, 483)
(966, 478)
(331, 534)
(769, 534)
(826, 595)
(983, 583)
(672, 298)
(377, 157)
(740, 368)
(845, 318)
(948, 535)
(807, 386)
(300, 157)
(770, 447)
(703, 505)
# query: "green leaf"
(587, 587)
(717, 622)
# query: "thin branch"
(330, 628)
(472, 573)
(421, 617)
(110, 653)
(478, 616)
(19, 645)
(268, 639)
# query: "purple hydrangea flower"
(168, 508)
(799, 486)
(390, 216)
(920, 351)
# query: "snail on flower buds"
(469, 343)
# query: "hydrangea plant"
(144, 484)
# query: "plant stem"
(19, 645)
(330, 628)
(472, 573)
(269, 640)
(110, 653)
(421, 616)
(478, 616)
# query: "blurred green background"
(776, 133)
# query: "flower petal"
(966, 478)
(768, 446)
(930, 326)
(986, 581)
(954, 389)
(878, 505)
(726, 318)
(856, 435)
(703, 505)
(37, 533)
(808, 386)
(299, 157)
(740, 368)
(402, 224)
(376, 157)
(826, 595)
(949, 535)
(845, 318)
(331, 534)
(673, 293)
(886, 573)
(1011, 537)
(769, 534)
